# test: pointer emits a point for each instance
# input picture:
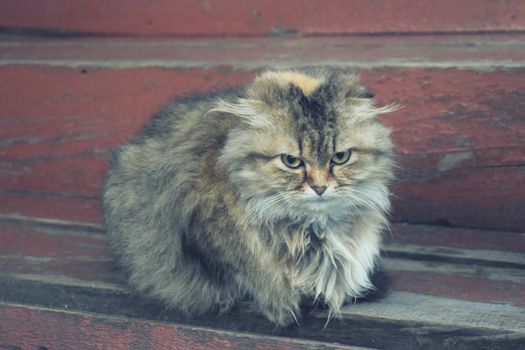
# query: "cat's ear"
(366, 109)
(353, 87)
(248, 110)
(362, 99)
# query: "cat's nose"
(319, 189)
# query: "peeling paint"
(450, 160)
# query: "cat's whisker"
(352, 206)
(370, 198)
(262, 204)
(268, 208)
(365, 203)
(276, 210)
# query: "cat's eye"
(342, 157)
(291, 161)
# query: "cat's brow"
(255, 155)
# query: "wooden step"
(261, 17)
(32, 327)
(60, 286)
(460, 136)
(78, 78)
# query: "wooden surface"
(63, 114)
(78, 78)
(33, 327)
(473, 52)
(59, 279)
(262, 17)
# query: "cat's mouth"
(318, 203)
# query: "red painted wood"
(453, 140)
(43, 241)
(40, 205)
(460, 140)
(30, 328)
(60, 131)
(258, 17)
(74, 271)
(490, 198)
(460, 287)
(241, 53)
(41, 250)
(429, 236)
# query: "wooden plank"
(366, 52)
(68, 255)
(450, 237)
(458, 285)
(65, 130)
(420, 267)
(417, 307)
(452, 140)
(49, 206)
(458, 255)
(26, 327)
(23, 257)
(399, 321)
(77, 257)
(257, 17)
(448, 143)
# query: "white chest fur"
(336, 267)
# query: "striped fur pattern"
(245, 193)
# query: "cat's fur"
(200, 208)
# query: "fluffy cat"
(278, 191)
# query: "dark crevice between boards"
(445, 223)
(450, 259)
(276, 31)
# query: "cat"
(278, 191)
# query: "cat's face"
(309, 146)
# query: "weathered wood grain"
(257, 17)
(75, 256)
(437, 253)
(400, 321)
(432, 236)
(452, 140)
(429, 304)
(417, 307)
(365, 52)
(50, 206)
(460, 139)
(25, 327)
(474, 287)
